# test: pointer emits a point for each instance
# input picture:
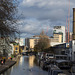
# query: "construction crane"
(68, 26)
(68, 20)
(47, 30)
(66, 31)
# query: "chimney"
(73, 23)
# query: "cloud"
(25, 35)
(32, 26)
(45, 3)
(40, 14)
(40, 9)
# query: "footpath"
(8, 64)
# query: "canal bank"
(6, 66)
(25, 65)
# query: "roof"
(60, 55)
(54, 67)
(59, 61)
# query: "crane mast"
(68, 20)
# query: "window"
(16, 48)
(15, 51)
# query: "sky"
(38, 15)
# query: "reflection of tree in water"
(36, 61)
(17, 59)
(26, 59)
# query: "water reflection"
(25, 66)
(21, 60)
(31, 61)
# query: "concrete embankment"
(6, 66)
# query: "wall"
(60, 29)
(16, 49)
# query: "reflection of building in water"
(21, 60)
(31, 61)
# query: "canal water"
(26, 65)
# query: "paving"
(6, 66)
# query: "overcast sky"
(38, 15)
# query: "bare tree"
(43, 42)
(7, 17)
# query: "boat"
(54, 70)
(63, 64)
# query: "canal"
(25, 66)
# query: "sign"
(57, 27)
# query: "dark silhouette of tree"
(7, 17)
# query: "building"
(22, 49)
(60, 30)
(16, 48)
(12, 48)
(5, 47)
(22, 42)
(58, 35)
(31, 42)
(57, 38)
(62, 52)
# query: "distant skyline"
(38, 15)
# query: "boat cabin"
(63, 64)
(54, 70)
